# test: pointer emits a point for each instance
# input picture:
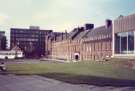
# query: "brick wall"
(65, 49)
(90, 50)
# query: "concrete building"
(123, 36)
(3, 41)
(31, 41)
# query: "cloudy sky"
(60, 14)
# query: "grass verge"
(95, 73)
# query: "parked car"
(12, 54)
(3, 67)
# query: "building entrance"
(76, 56)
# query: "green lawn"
(83, 72)
(94, 73)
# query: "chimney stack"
(108, 23)
(89, 26)
(81, 29)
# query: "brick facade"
(65, 49)
(94, 50)
(90, 50)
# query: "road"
(39, 83)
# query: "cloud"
(40, 16)
(61, 14)
(3, 18)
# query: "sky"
(60, 15)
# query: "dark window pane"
(117, 44)
(123, 42)
(130, 42)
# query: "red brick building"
(66, 47)
(85, 43)
(97, 43)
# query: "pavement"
(38, 83)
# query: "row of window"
(124, 43)
(98, 37)
(28, 35)
(97, 46)
(30, 31)
(101, 46)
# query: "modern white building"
(124, 36)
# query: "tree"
(29, 48)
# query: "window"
(117, 44)
(124, 43)
(130, 42)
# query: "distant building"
(31, 41)
(2, 33)
(3, 41)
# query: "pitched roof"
(80, 35)
(103, 30)
(73, 33)
(76, 33)
(59, 36)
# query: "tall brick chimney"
(89, 26)
(108, 23)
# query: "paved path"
(38, 83)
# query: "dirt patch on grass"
(128, 64)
